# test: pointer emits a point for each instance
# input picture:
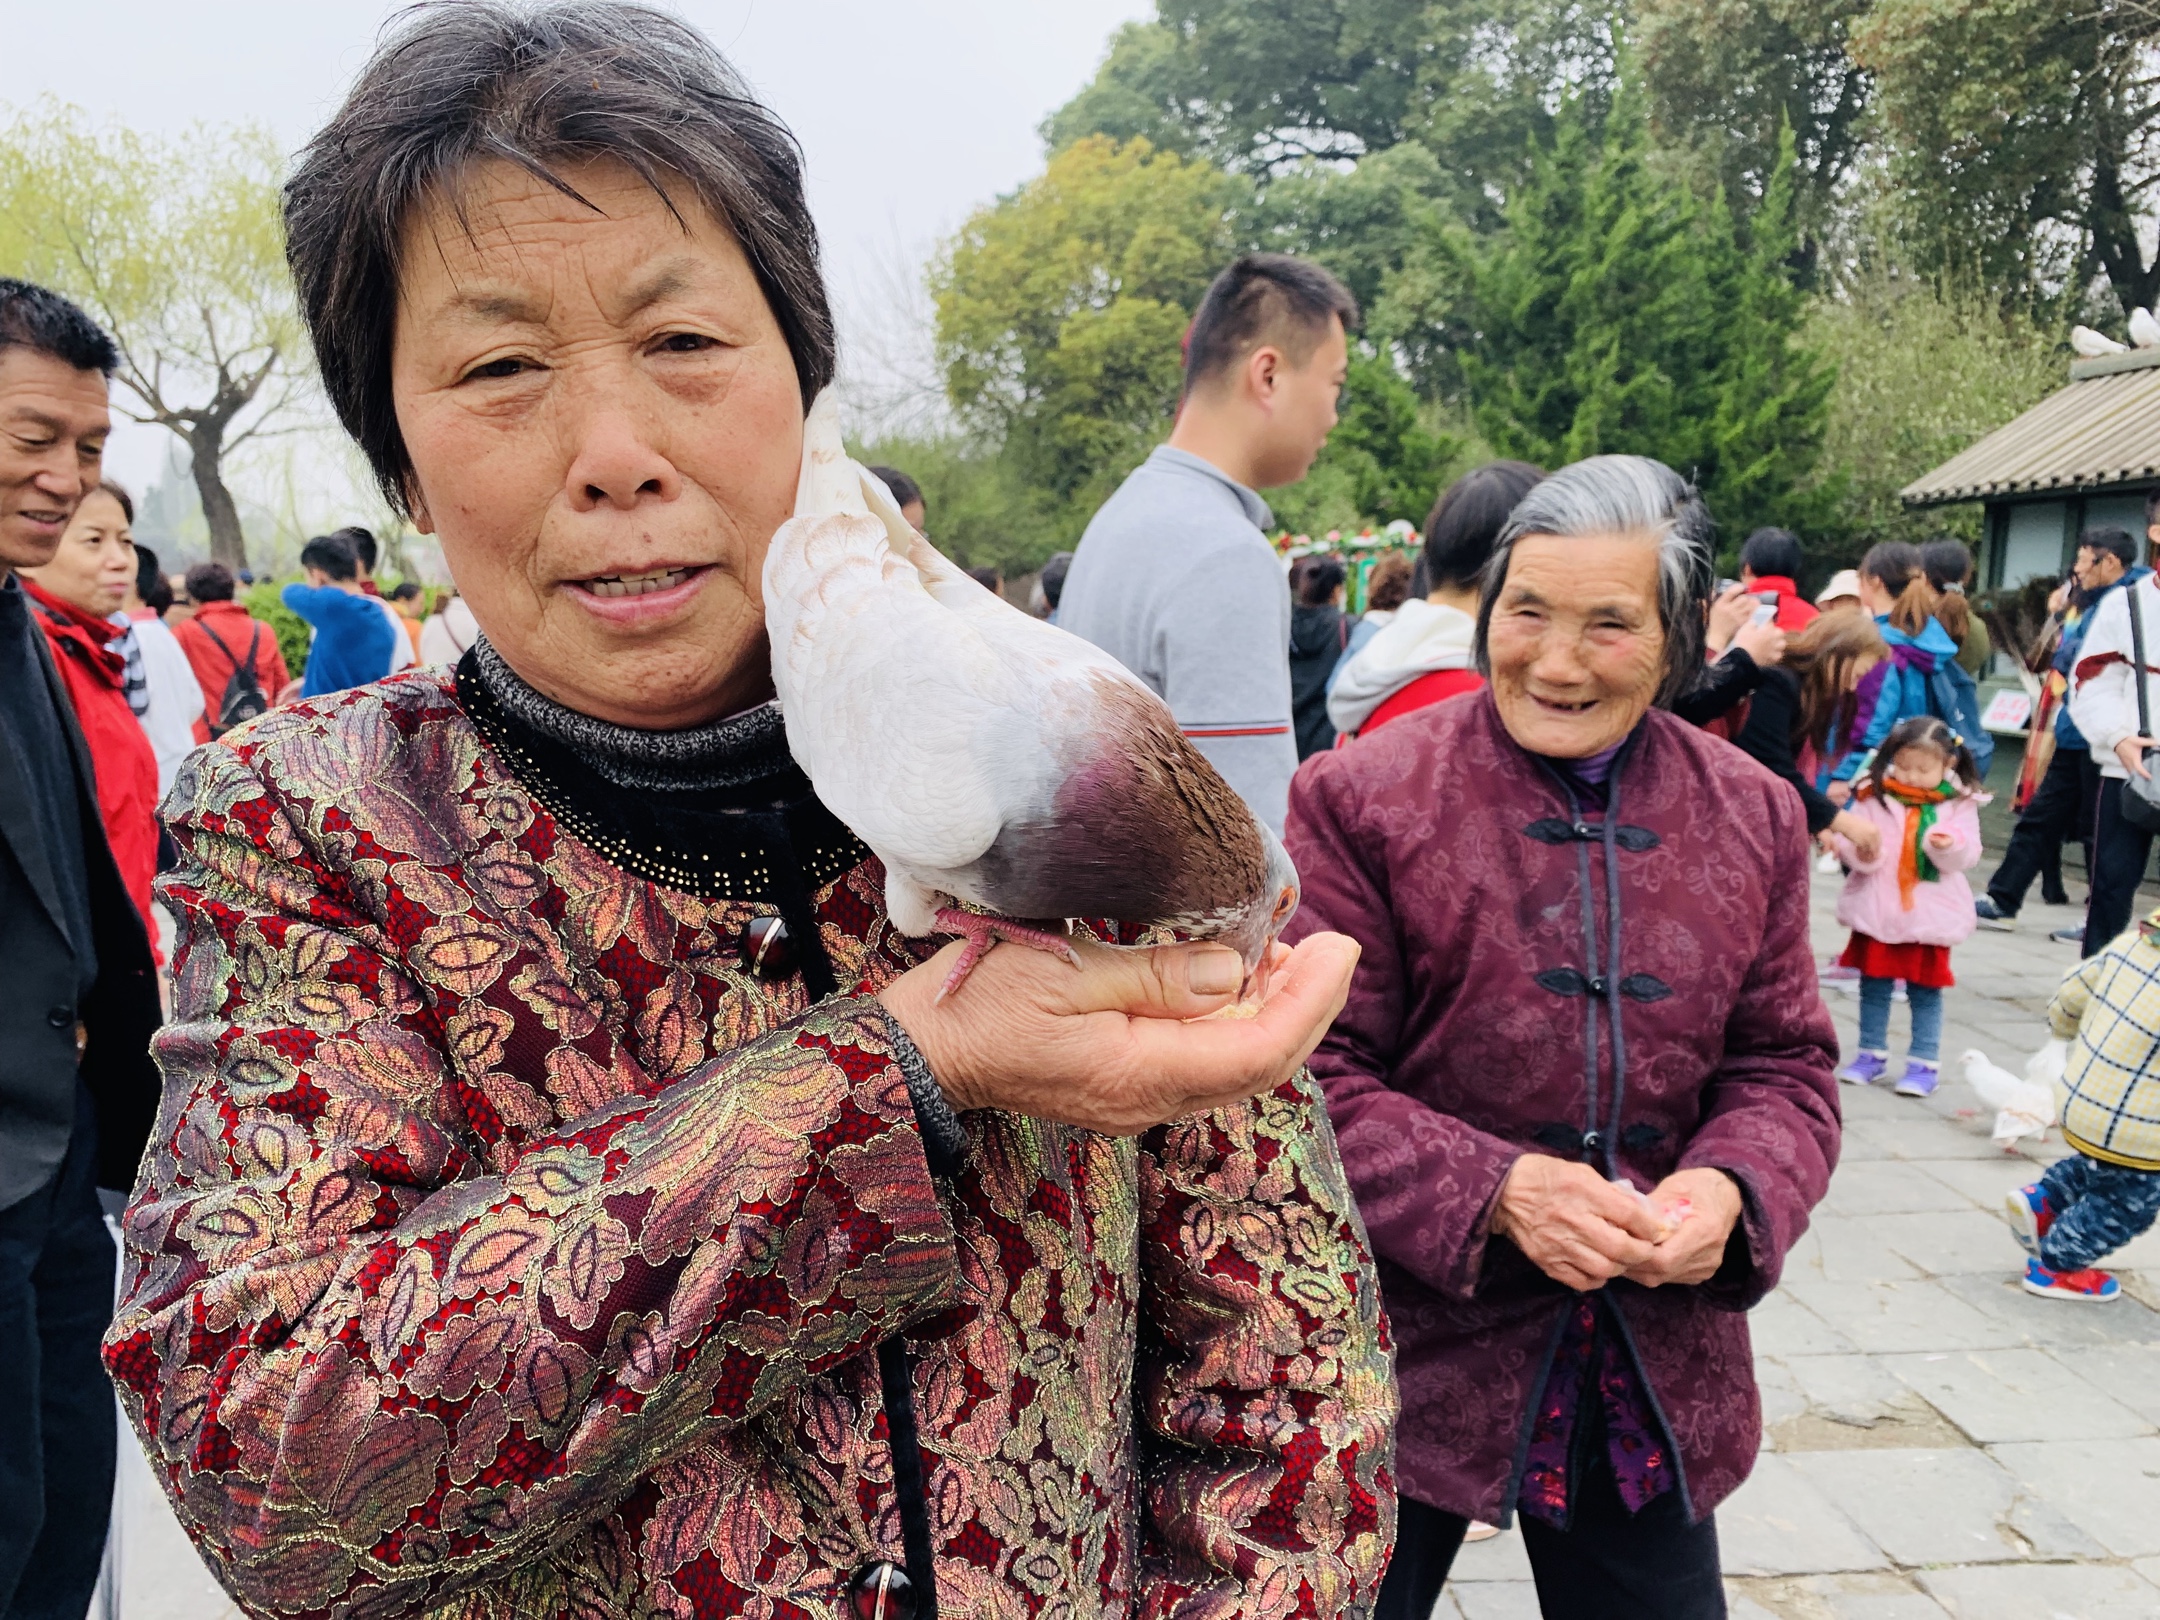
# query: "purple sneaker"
(1919, 1079)
(1865, 1069)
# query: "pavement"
(1938, 1442)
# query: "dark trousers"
(1608, 1564)
(56, 1406)
(2120, 855)
(2061, 808)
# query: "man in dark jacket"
(78, 1091)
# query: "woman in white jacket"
(2104, 706)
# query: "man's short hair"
(905, 491)
(1772, 554)
(37, 318)
(2112, 542)
(362, 542)
(1467, 519)
(1264, 298)
(406, 591)
(209, 582)
(333, 554)
(541, 87)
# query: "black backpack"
(244, 698)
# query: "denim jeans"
(57, 1423)
(1926, 1004)
(2098, 1208)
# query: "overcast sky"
(911, 112)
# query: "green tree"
(179, 248)
(2023, 137)
(1061, 308)
(1139, 93)
(1925, 368)
(1621, 312)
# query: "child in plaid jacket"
(2107, 1192)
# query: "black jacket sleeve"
(1768, 738)
(1720, 688)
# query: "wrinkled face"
(605, 429)
(2095, 569)
(94, 564)
(1576, 646)
(53, 423)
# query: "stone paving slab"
(2108, 1488)
(2043, 1592)
(1944, 1507)
(1887, 1318)
(1949, 1243)
(2129, 1372)
(1870, 1188)
(2022, 1394)
(2053, 1324)
(1884, 1596)
(1781, 1523)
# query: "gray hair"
(456, 83)
(1623, 495)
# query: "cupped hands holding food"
(1125, 1042)
(1583, 1231)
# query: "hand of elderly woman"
(1697, 1246)
(1123, 1044)
(1575, 1226)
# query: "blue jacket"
(353, 637)
(1895, 689)
(2075, 623)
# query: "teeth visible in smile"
(637, 584)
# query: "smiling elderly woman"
(570, 1197)
(1584, 1079)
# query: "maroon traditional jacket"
(1453, 857)
(508, 1247)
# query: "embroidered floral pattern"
(506, 1249)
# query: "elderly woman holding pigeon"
(574, 1194)
(1583, 1083)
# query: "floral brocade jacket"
(507, 1247)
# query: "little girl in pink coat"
(1910, 903)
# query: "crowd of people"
(560, 1187)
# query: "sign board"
(2008, 711)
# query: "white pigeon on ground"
(2144, 330)
(1008, 774)
(2022, 1107)
(2093, 345)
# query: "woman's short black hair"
(1772, 554)
(461, 82)
(1468, 518)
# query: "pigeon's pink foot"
(982, 932)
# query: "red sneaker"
(2096, 1286)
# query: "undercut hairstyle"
(905, 491)
(1319, 579)
(543, 88)
(1264, 298)
(209, 582)
(1772, 554)
(1900, 570)
(362, 542)
(333, 554)
(39, 319)
(1467, 519)
(2112, 542)
(1623, 495)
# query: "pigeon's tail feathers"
(830, 482)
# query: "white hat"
(1845, 582)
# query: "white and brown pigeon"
(1008, 774)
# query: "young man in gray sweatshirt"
(1174, 577)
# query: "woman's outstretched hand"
(1123, 1043)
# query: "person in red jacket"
(223, 636)
(1769, 564)
(73, 597)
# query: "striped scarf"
(1913, 867)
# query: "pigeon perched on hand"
(1008, 774)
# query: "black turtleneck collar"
(721, 810)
